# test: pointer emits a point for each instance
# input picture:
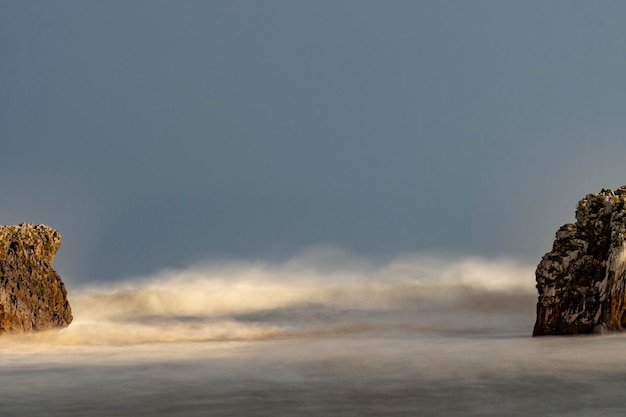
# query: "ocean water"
(318, 335)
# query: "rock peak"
(582, 280)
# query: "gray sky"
(155, 134)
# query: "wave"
(314, 293)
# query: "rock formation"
(32, 295)
(582, 281)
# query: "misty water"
(329, 335)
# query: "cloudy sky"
(157, 134)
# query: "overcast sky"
(156, 134)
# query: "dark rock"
(32, 295)
(582, 281)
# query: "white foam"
(208, 301)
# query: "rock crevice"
(32, 294)
(582, 280)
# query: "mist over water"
(310, 294)
(324, 333)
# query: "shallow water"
(415, 337)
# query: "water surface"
(415, 337)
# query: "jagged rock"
(32, 295)
(582, 281)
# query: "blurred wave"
(319, 292)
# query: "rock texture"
(32, 295)
(582, 281)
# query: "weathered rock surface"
(582, 281)
(32, 295)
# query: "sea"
(316, 335)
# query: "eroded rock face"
(582, 281)
(32, 295)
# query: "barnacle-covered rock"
(582, 281)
